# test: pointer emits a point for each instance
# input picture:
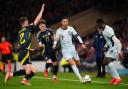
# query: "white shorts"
(112, 53)
(70, 54)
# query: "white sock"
(113, 70)
(76, 71)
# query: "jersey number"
(22, 40)
(47, 39)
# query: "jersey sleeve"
(32, 27)
(73, 31)
(50, 30)
(110, 33)
(38, 36)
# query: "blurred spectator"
(98, 45)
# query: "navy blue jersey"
(24, 37)
(45, 38)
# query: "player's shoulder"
(49, 29)
(38, 33)
(108, 28)
(59, 30)
(71, 28)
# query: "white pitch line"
(78, 80)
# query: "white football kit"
(68, 48)
(108, 33)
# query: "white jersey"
(65, 37)
(68, 48)
(108, 33)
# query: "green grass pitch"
(66, 81)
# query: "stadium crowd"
(9, 21)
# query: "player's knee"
(77, 63)
(27, 69)
(71, 62)
(106, 61)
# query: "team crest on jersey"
(101, 36)
(49, 33)
(69, 32)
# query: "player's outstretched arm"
(39, 16)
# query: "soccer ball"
(87, 79)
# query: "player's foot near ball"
(55, 79)
(45, 73)
(8, 76)
(25, 82)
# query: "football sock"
(29, 76)
(55, 69)
(19, 73)
(113, 70)
(76, 71)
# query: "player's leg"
(74, 68)
(69, 55)
(98, 62)
(9, 63)
(112, 69)
(53, 57)
(29, 74)
(103, 68)
(47, 65)
(3, 64)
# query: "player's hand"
(121, 56)
(83, 46)
(41, 45)
(43, 5)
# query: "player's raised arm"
(39, 16)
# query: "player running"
(64, 35)
(45, 38)
(25, 43)
(113, 52)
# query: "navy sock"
(19, 73)
(29, 76)
(55, 69)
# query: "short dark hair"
(22, 19)
(100, 20)
(64, 17)
(42, 21)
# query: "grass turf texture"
(66, 81)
